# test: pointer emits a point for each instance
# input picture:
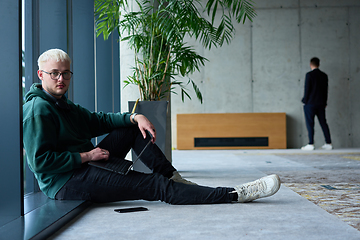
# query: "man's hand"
(144, 124)
(94, 155)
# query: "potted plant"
(157, 32)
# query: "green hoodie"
(54, 138)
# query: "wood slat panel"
(271, 125)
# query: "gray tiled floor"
(286, 215)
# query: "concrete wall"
(264, 67)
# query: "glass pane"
(28, 175)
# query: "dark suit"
(315, 100)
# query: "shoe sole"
(277, 184)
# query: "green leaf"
(157, 35)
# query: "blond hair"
(54, 54)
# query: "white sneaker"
(308, 147)
(327, 146)
(263, 187)
(178, 178)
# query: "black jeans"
(101, 186)
(310, 112)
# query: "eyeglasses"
(56, 75)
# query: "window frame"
(27, 216)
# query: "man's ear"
(40, 74)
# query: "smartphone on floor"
(133, 209)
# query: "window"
(74, 23)
(11, 201)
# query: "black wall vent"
(232, 142)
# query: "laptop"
(118, 165)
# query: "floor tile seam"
(268, 161)
(307, 154)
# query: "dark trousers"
(310, 112)
(97, 185)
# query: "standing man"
(57, 140)
(315, 100)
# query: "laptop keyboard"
(119, 165)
